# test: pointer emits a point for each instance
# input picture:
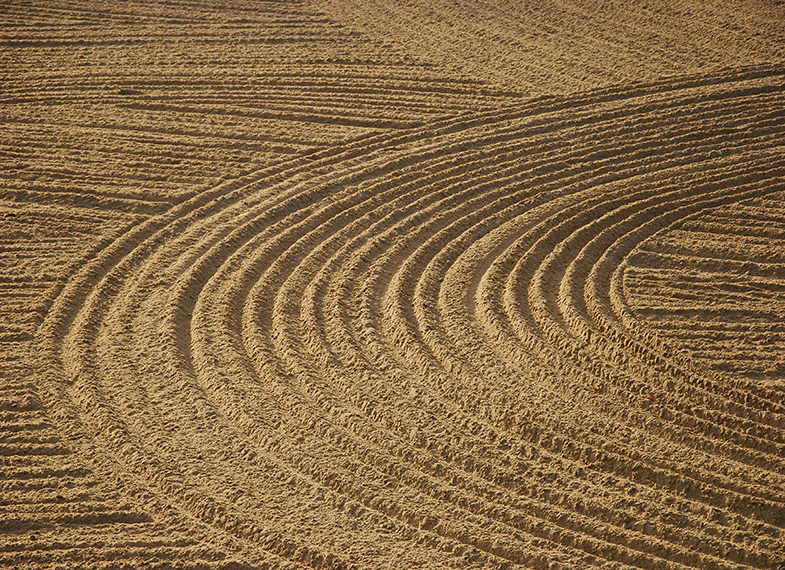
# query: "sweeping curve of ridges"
(431, 339)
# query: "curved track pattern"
(319, 285)
(426, 347)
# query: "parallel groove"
(277, 249)
(296, 286)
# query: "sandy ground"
(385, 284)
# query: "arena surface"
(392, 284)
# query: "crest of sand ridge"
(326, 287)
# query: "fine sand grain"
(385, 284)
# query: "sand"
(354, 284)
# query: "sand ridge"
(294, 285)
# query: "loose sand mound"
(386, 285)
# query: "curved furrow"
(517, 287)
(378, 413)
(404, 334)
(583, 311)
(543, 311)
(562, 518)
(301, 285)
(310, 390)
(118, 429)
(176, 261)
(202, 246)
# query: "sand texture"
(392, 284)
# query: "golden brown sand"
(386, 284)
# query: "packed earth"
(392, 284)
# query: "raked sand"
(391, 285)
